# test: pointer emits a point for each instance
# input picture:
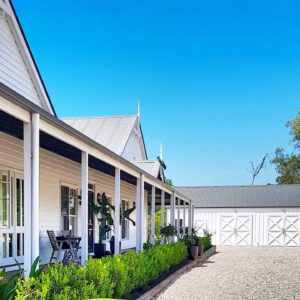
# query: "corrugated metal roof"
(150, 166)
(111, 132)
(287, 195)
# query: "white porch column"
(178, 216)
(162, 212)
(142, 197)
(84, 206)
(190, 219)
(152, 237)
(117, 210)
(27, 197)
(183, 218)
(193, 216)
(138, 221)
(172, 209)
(172, 212)
(35, 187)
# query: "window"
(68, 208)
(4, 198)
(11, 216)
(125, 223)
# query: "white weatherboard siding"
(54, 171)
(13, 70)
(250, 226)
(134, 149)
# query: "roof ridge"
(99, 117)
(145, 161)
(230, 186)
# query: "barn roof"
(111, 132)
(287, 195)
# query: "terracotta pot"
(193, 252)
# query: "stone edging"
(159, 288)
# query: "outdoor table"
(71, 246)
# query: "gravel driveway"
(242, 273)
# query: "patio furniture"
(71, 254)
(57, 245)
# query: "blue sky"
(217, 80)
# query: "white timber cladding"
(14, 110)
(250, 226)
(13, 70)
(134, 148)
(54, 172)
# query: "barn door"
(235, 229)
(227, 229)
(291, 230)
(283, 229)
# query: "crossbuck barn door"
(283, 229)
(235, 229)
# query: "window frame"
(74, 217)
(9, 187)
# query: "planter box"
(212, 250)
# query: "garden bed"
(139, 294)
(120, 276)
(162, 283)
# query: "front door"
(91, 219)
(11, 218)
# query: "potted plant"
(124, 215)
(167, 232)
(102, 212)
(201, 248)
(192, 244)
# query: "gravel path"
(242, 273)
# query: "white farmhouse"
(47, 163)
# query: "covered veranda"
(38, 132)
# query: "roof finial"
(138, 108)
(161, 151)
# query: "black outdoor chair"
(57, 244)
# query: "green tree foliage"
(158, 214)
(169, 181)
(288, 165)
(294, 126)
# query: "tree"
(256, 170)
(288, 165)
(169, 181)
(158, 215)
(294, 126)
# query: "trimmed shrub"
(205, 241)
(109, 277)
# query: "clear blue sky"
(217, 80)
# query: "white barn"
(248, 215)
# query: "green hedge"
(205, 241)
(110, 277)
